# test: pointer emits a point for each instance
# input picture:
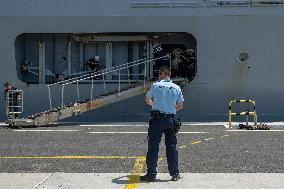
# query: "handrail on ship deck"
(104, 72)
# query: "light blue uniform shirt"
(165, 94)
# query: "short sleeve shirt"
(165, 95)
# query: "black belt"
(167, 115)
(155, 114)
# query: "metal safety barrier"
(14, 104)
(246, 113)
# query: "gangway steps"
(73, 109)
(57, 114)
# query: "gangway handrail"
(107, 72)
(102, 73)
(82, 76)
(91, 72)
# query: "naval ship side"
(239, 48)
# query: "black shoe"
(147, 178)
(176, 177)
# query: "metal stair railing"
(93, 72)
(14, 104)
(84, 76)
(103, 73)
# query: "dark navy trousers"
(155, 132)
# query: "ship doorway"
(183, 61)
(52, 57)
(182, 48)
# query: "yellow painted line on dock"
(71, 157)
(134, 177)
(196, 142)
(181, 147)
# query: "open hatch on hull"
(50, 57)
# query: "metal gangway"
(55, 114)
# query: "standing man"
(93, 63)
(166, 99)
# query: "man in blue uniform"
(166, 99)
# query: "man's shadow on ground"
(132, 179)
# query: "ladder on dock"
(72, 109)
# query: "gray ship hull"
(221, 35)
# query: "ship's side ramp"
(72, 109)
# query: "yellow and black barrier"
(242, 113)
